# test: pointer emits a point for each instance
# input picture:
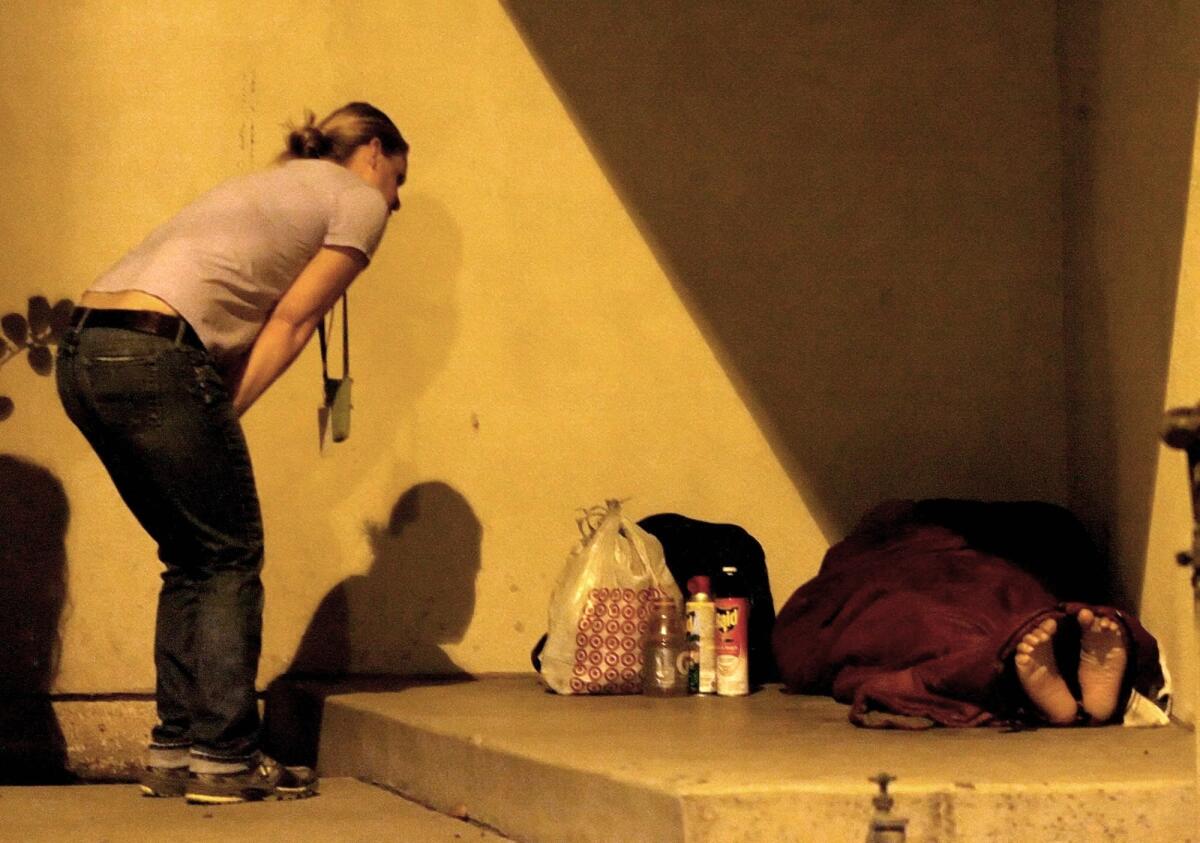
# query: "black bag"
(699, 548)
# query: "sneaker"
(164, 781)
(267, 780)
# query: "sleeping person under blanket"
(967, 613)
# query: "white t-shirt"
(226, 259)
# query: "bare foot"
(1102, 658)
(1038, 673)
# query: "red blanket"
(912, 626)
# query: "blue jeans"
(158, 415)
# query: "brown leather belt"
(143, 321)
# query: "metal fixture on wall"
(1181, 429)
(884, 827)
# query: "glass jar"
(664, 653)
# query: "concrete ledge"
(106, 739)
(49, 741)
(770, 767)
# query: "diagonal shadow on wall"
(33, 590)
(1129, 81)
(859, 205)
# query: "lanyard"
(345, 347)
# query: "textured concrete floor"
(769, 767)
(346, 811)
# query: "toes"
(1092, 624)
(1049, 626)
(1037, 636)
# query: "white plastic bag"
(600, 606)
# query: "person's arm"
(292, 322)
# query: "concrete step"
(769, 767)
(346, 811)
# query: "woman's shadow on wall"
(33, 590)
(383, 631)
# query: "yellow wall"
(1130, 75)
(518, 351)
(1167, 602)
(765, 268)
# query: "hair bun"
(337, 136)
(308, 142)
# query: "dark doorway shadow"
(858, 204)
(33, 590)
(384, 630)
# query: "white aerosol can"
(701, 637)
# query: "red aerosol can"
(733, 633)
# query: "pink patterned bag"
(601, 605)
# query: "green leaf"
(6, 407)
(41, 360)
(15, 328)
(39, 318)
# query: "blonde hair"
(337, 136)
